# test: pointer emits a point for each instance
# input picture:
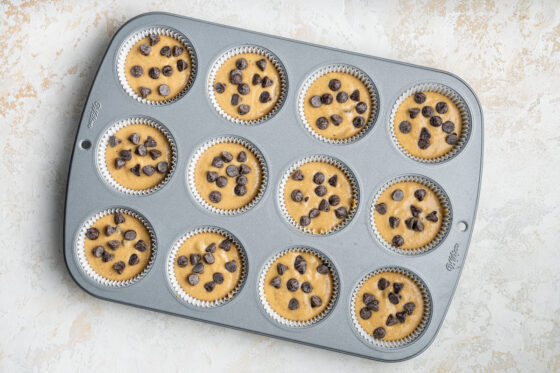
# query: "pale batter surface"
(127, 175)
(211, 171)
(338, 194)
(124, 248)
(347, 125)
(418, 231)
(253, 77)
(440, 141)
(176, 81)
(209, 286)
(279, 298)
(409, 293)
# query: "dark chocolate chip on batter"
(451, 139)
(297, 175)
(98, 251)
(334, 200)
(292, 284)
(333, 180)
(145, 92)
(419, 97)
(149, 170)
(231, 266)
(221, 181)
(391, 320)
(130, 235)
(243, 109)
(319, 178)
(220, 87)
(243, 89)
(432, 216)
(276, 282)
(425, 134)
(182, 65)
(195, 259)
(322, 269)
(297, 195)
(398, 241)
(315, 301)
(133, 259)
(334, 84)
(242, 156)
(107, 256)
(397, 195)
(241, 180)
(427, 111)
(113, 244)
(118, 218)
(244, 169)
(373, 306)
(164, 90)
(264, 97)
(256, 80)
(266, 82)
(198, 268)
(409, 308)
(413, 112)
(300, 264)
(320, 190)
(336, 119)
(394, 298)
(167, 70)
(92, 233)
(125, 155)
(211, 248)
(358, 122)
(144, 49)
(119, 163)
(134, 138)
(141, 150)
(306, 287)
(381, 208)
(150, 142)
(136, 170)
(355, 96)
(232, 171)
(136, 71)
(313, 213)
(218, 278)
(281, 268)
(436, 121)
(209, 258)
(304, 221)
(154, 39)
(211, 176)
(401, 316)
(341, 212)
(315, 101)
(368, 298)
(382, 283)
(241, 63)
(420, 194)
(261, 64)
(326, 99)
(441, 107)
(225, 245)
(405, 126)
(182, 261)
(324, 205)
(227, 157)
(162, 167)
(379, 333)
(109, 230)
(235, 76)
(165, 51)
(361, 107)
(415, 211)
(322, 123)
(235, 99)
(217, 162)
(215, 196)
(209, 286)
(240, 190)
(365, 313)
(154, 72)
(192, 279)
(119, 267)
(394, 222)
(448, 126)
(141, 246)
(114, 141)
(293, 304)
(341, 97)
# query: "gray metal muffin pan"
(262, 230)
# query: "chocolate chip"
(107, 256)
(326, 99)
(242, 156)
(141, 246)
(209, 258)
(334, 200)
(226, 157)
(129, 235)
(316, 301)
(382, 284)
(217, 162)
(125, 155)
(365, 313)
(419, 97)
(410, 223)
(413, 112)
(441, 107)
(167, 70)
(319, 178)
(322, 123)
(209, 286)
(394, 222)
(231, 266)
(154, 73)
(306, 287)
(150, 142)
(264, 97)
(368, 298)
(244, 169)
(219, 87)
(198, 268)
(154, 39)
(182, 65)
(118, 218)
(119, 163)
(136, 71)
(361, 107)
(405, 126)
(423, 143)
(113, 244)
(341, 97)
(98, 251)
(300, 264)
(322, 269)
(355, 96)
(432, 216)
(436, 121)
(149, 170)
(397, 287)
(276, 282)
(241, 63)
(182, 261)
(235, 76)
(304, 221)
(261, 64)
(109, 230)
(218, 278)
(448, 126)
(336, 119)
(243, 109)
(334, 84)
(415, 211)
(333, 180)
(324, 205)
(133, 260)
(427, 111)
(232, 171)
(211, 176)
(394, 298)
(225, 245)
(381, 208)
(240, 190)
(379, 333)
(164, 90)
(243, 89)
(266, 82)
(398, 241)
(293, 304)
(358, 122)
(192, 279)
(141, 150)
(221, 181)
(292, 284)
(420, 194)
(215, 196)
(241, 180)
(145, 92)
(114, 141)
(401, 316)
(119, 267)
(195, 259)
(397, 195)
(341, 212)
(313, 213)
(165, 51)
(162, 167)
(256, 79)
(92, 233)
(409, 308)
(281, 268)
(391, 320)
(315, 101)
(451, 139)
(144, 49)
(297, 175)
(320, 190)
(373, 306)
(297, 195)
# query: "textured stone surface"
(505, 313)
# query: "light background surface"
(505, 315)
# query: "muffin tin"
(354, 251)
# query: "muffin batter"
(337, 106)
(138, 156)
(392, 302)
(298, 286)
(428, 125)
(118, 247)
(247, 86)
(208, 266)
(158, 67)
(228, 176)
(408, 215)
(319, 197)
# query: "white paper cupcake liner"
(219, 140)
(367, 336)
(368, 82)
(276, 316)
(79, 250)
(104, 142)
(455, 98)
(332, 161)
(129, 43)
(181, 294)
(237, 51)
(446, 216)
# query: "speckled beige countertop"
(506, 312)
